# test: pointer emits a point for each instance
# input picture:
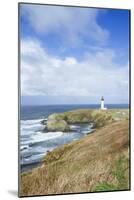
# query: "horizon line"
(73, 104)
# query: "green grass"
(119, 174)
(121, 166)
(104, 186)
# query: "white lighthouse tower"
(102, 104)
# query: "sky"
(73, 55)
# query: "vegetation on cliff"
(97, 162)
(99, 118)
(57, 125)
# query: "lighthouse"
(102, 104)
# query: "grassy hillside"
(97, 162)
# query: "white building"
(102, 104)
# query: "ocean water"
(35, 142)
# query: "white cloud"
(96, 75)
(71, 24)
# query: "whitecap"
(39, 136)
(28, 127)
(74, 127)
(32, 127)
(32, 159)
(31, 121)
(22, 147)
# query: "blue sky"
(73, 55)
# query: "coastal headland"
(97, 162)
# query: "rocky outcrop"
(99, 118)
(61, 121)
(57, 125)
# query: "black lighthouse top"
(102, 99)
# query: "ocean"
(35, 142)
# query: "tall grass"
(120, 174)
